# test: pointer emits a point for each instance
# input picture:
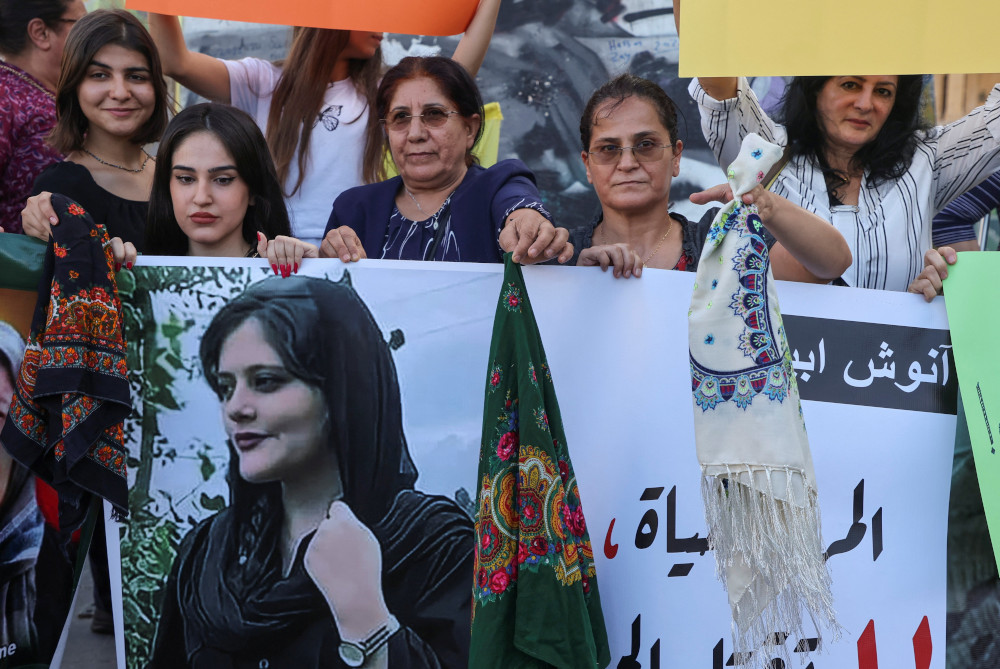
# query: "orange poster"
(428, 17)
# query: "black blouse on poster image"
(227, 603)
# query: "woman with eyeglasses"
(314, 106)
(631, 152)
(32, 35)
(442, 206)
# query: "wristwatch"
(356, 654)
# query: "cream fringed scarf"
(758, 481)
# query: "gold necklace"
(28, 80)
(670, 225)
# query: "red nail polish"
(275, 268)
(118, 266)
(295, 270)
(128, 265)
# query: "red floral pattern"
(76, 344)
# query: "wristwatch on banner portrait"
(356, 654)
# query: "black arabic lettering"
(674, 545)
(645, 533)
(631, 661)
(856, 532)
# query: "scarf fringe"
(780, 543)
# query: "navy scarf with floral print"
(72, 394)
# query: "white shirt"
(890, 228)
(336, 146)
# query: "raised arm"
(808, 248)
(472, 47)
(967, 151)
(206, 75)
(719, 88)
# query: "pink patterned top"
(27, 114)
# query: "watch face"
(351, 654)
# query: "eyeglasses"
(432, 118)
(645, 151)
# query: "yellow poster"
(722, 38)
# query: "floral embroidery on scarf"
(512, 298)
(768, 374)
(496, 377)
(543, 525)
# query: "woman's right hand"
(344, 560)
(38, 216)
(342, 243)
(624, 261)
(206, 75)
(285, 253)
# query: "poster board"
(617, 351)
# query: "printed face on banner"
(640, 480)
(275, 421)
(274, 398)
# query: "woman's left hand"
(929, 282)
(532, 238)
(285, 254)
(344, 560)
(123, 253)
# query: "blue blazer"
(479, 207)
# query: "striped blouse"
(969, 208)
(890, 228)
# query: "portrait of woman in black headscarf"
(326, 555)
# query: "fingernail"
(345, 258)
(355, 257)
(53, 220)
(295, 269)
(118, 266)
(550, 252)
(275, 268)
(128, 265)
(532, 252)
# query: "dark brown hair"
(453, 80)
(15, 15)
(241, 136)
(298, 97)
(619, 89)
(92, 33)
(887, 157)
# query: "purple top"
(27, 114)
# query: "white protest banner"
(881, 425)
